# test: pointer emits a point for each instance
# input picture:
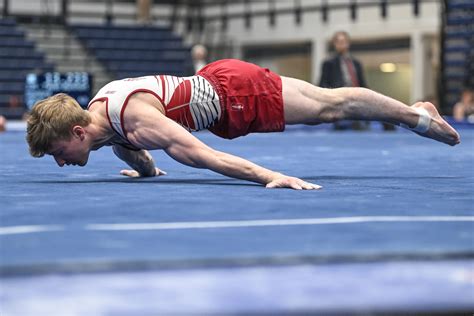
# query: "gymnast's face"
(73, 151)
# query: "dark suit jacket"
(332, 76)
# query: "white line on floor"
(276, 222)
(28, 229)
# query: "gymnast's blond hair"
(52, 120)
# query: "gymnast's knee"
(332, 111)
(342, 104)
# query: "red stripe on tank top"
(163, 88)
(178, 108)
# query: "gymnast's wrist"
(275, 176)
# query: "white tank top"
(192, 102)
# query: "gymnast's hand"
(135, 174)
(293, 183)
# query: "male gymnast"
(231, 98)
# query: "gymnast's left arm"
(141, 161)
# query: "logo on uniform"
(110, 92)
(237, 107)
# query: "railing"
(195, 15)
(442, 80)
(324, 6)
(457, 51)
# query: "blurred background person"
(343, 70)
(464, 109)
(144, 11)
(3, 123)
(199, 55)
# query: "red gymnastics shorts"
(250, 96)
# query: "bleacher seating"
(18, 57)
(458, 50)
(132, 51)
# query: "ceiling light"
(388, 67)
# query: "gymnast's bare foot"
(439, 129)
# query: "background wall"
(414, 79)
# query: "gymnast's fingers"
(129, 173)
(160, 172)
(310, 186)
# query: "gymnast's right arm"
(149, 129)
(141, 161)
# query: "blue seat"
(11, 75)
(457, 48)
(19, 52)
(5, 99)
(455, 62)
(16, 42)
(131, 35)
(150, 67)
(468, 4)
(131, 50)
(454, 76)
(460, 20)
(12, 87)
(32, 64)
(7, 22)
(468, 34)
(138, 55)
(17, 58)
(10, 31)
(123, 44)
(131, 74)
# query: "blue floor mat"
(386, 197)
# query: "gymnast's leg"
(305, 103)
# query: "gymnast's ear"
(79, 131)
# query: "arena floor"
(392, 230)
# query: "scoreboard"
(76, 84)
